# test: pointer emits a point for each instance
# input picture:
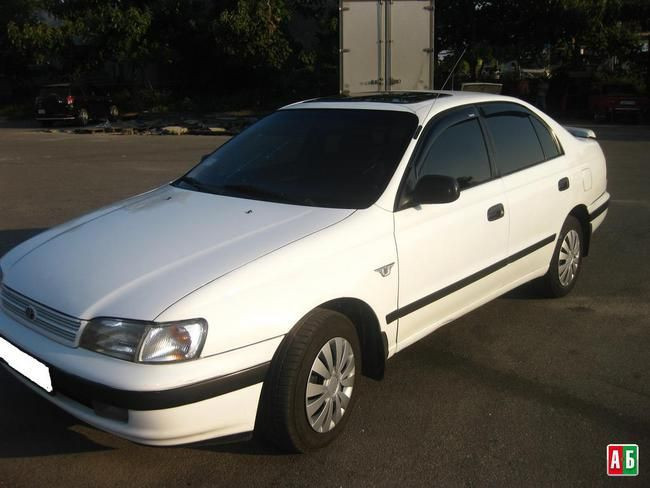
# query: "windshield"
(318, 157)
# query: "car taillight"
(69, 100)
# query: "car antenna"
(451, 73)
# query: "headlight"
(145, 342)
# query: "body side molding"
(596, 213)
(448, 290)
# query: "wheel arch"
(581, 213)
(374, 342)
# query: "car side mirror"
(436, 189)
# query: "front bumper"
(219, 399)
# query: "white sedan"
(249, 294)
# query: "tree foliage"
(82, 34)
(253, 32)
(212, 44)
(575, 33)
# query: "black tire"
(83, 117)
(46, 123)
(113, 113)
(553, 285)
(282, 418)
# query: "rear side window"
(515, 140)
(460, 152)
(546, 139)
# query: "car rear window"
(60, 91)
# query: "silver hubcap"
(330, 385)
(569, 258)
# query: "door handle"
(496, 212)
(563, 184)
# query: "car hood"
(140, 257)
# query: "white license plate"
(30, 368)
(628, 102)
(41, 111)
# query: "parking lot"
(522, 392)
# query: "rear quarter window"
(548, 141)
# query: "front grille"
(45, 320)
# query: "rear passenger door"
(447, 251)
(535, 177)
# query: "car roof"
(399, 97)
(421, 103)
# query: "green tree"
(253, 32)
(584, 32)
(80, 35)
(12, 62)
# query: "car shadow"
(533, 290)
(31, 426)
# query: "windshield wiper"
(196, 184)
(246, 190)
(238, 190)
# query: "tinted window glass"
(56, 91)
(515, 141)
(317, 157)
(549, 143)
(459, 152)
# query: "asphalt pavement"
(521, 392)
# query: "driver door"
(448, 252)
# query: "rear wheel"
(113, 113)
(566, 262)
(311, 388)
(82, 117)
(46, 123)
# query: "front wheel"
(312, 387)
(566, 263)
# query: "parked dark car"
(74, 102)
(618, 101)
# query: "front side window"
(339, 158)
(459, 151)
